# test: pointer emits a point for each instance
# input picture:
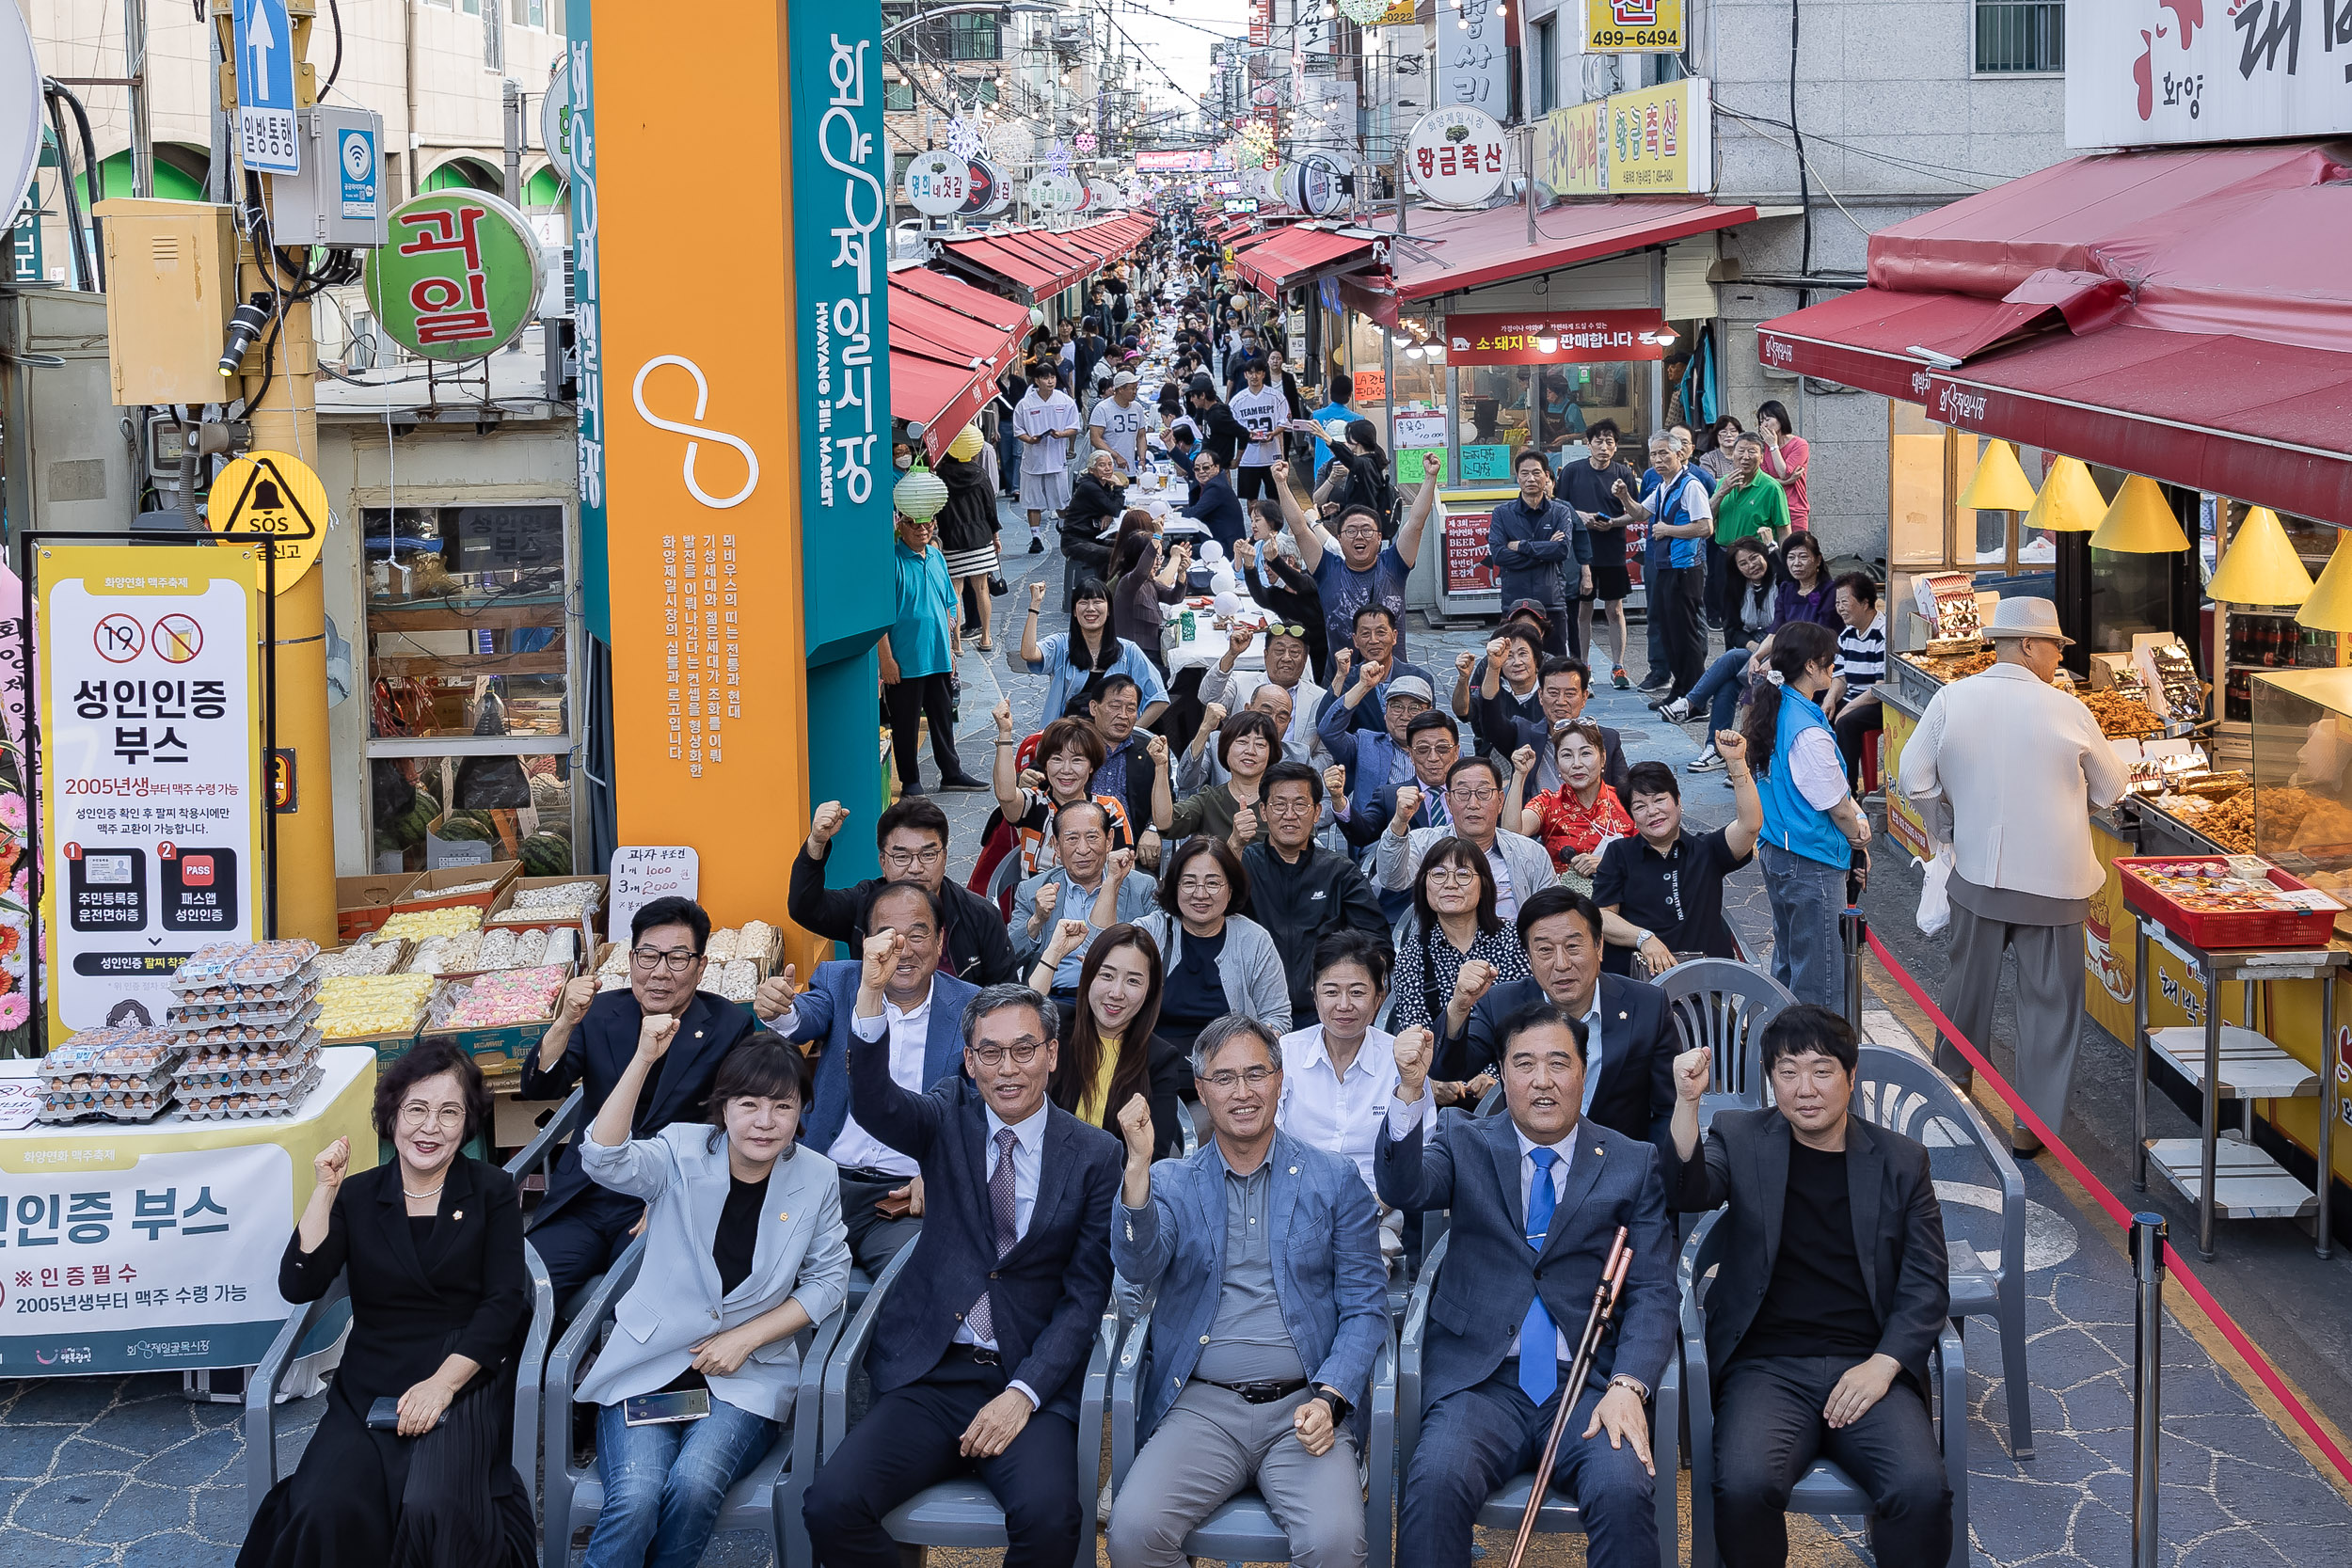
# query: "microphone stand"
(1596, 1324)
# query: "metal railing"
(2018, 36)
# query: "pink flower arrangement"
(14, 1010)
(12, 812)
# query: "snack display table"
(146, 1247)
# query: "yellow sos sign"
(273, 499)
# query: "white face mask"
(906, 462)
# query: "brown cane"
(1613, 1275)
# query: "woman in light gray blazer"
(1217, 962)
(744, 1248)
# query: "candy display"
(569, 902)
(365, 957)
(2239, 900)
(737, 979)
(500, 998)
(751, 941)
(359, 1005)
(444, 955)
(431, 923)
(462, 890)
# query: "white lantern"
(921, 494)
(1212, 550)
(1221, 581)
(1227, 603)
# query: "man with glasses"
(1433, 743)
(1473, 807)
(980, 1352)
(882, 1188)
(1134, 770)
(1272, 1306)
(581, 1228)
(1089, 882)
(1300, 891)
(1358, 569)
(912, 837)
(1376, 759)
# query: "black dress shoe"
(965, 784)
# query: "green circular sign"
(458, 276)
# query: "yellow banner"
(1633, 26)
(1574, 160)
(1658, 138)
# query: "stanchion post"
(2147, 1381)
(1855, 925)
(2140, 1058)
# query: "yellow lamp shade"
(1999, 485)
(2139, 522)
(2329, 605)
(2070, 501)
(967, 444)
(2261, 567)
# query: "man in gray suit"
(1537, 1196)
(1271, 1309)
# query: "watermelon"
(547, 855)
(459, 827)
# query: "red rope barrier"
(2221, 1320)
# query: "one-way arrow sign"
(266, 87)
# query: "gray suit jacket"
(1136, 892)
(675, 1302)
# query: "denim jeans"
(663, 1484)
(1808, 956)
(1722, 686)
(1009, 458)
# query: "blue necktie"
(1539, 1364)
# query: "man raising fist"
(911, 839)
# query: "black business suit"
(1046, 1297)
(450, 1498)
(1636, 1093)
(579, 1227)
(1768, 1408)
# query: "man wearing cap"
(1536, 543)
(1118, 424)
(1376, 759)
(2008, 767)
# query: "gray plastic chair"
(1824, 1489)
(766, 1500)
(1558, 1514)
(1895, 1090)
(314, 1326)
(1240, 1529)
(1725, 1006)
(962, 1511)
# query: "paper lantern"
(2070, 501)
(1227, 603)
(920, 494)
(2139, 521)
(1999, 485)
(2261, 567)
(967, 444)
(1222, 580)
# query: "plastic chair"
(1241, 1530)
(1895, 1090)
(1558, 1514)
(1005, 881)
(1725, 1006)
(962, 1511)
(320, 1321)
(767, 1500)
(547, 1144)
(1824, 1489)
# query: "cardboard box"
(426, 892)
(515, 1121)
(388, 1048)
(585, 924)
(362, 903)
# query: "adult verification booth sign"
(151, 771)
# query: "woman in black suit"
(434, 1242)
(1111, 1052)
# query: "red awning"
(1293, 255)
(942, 396)
(2187, 316)
(948, 343)
(962, 298)
(1108, 239)
(1034, 261)
(1442, 252)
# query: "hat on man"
(1124, 378)
(1410, 685)
(1527, 609)
(2026, 616)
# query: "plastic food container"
(239, 1030)
(248, 1077)
(239, 965)
(246, 1104)
(190, 1014)
(216, 1059)
(137, 1052)
(2236, 901)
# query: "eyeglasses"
(1474, 795)
(415, 1112)
(901, 859)
(1287, 807)
(1286, 629)
(1253, 1076)
(676, 959)
(1021, 1053)
(1201, 885)
(1453, 876)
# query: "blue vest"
(1791, 820)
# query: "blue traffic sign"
(266, 87)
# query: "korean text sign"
(1581, 336)
(155, 1247)
(459, 277)
(1633, 26)
(2145, 73)
(150, 769)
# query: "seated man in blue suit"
(579, 1227)
(1272, 1306)
(1629, 1031)
(981, 1349)
(922, 1014)
(1537, 1196)
(1834, 1288)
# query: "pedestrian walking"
(1812, 825)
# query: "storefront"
(2165, 339)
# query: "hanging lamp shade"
(2261, 567)
(2328, 607)
(967, 444)
(1999, 485)
(2070, 501)
(921, 494)
(2139, 522)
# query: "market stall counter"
(154, 1246)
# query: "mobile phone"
(679, 1404)
(384, 1414)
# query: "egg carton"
(244, 966)
(248, 1104)
(118, 1050)
(106, 1105)
(232, 1058)
(240, 1031)
(188, 1015)
(247, 1080)
(87, 1083)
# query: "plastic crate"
(2227, 928)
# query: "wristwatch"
(1641, 937)
(1341, 1409)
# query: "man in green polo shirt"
(1751, 500)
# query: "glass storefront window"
(431, 811)
(1919, 489)
(465, 622)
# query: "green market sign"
(458, 277)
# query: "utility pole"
(282, 409)
(134, 70)
(511, 182)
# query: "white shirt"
(1340, 1112)
(1261, 413)
(910, 1032)
(1506, 901)
(1028, 1160)
(1037, 416)
(1122, 428)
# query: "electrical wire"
(1804, 190)
(335, 14)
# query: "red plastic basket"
(2209, 928)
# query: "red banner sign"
(1585, 336)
